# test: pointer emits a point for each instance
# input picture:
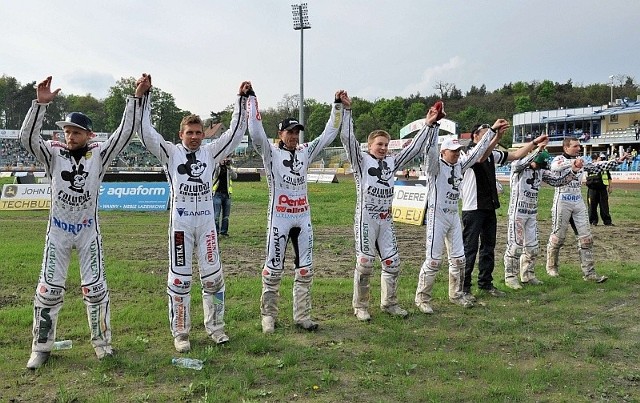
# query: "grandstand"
(600, 129)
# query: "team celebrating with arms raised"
(76, 168)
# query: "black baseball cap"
(289, 124)
(76, 119)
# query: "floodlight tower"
(611, 78)
(300, 23)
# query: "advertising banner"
(136, 196)
(409, 202)
(25, 197)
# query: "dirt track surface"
(337, 260)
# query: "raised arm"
(130, 123)
(348, 137)
(521, 164)
(478, 151)
(499, 128)
(238, 126)
(259, 138)
(424, 136)
(561, 178)
(150, 138)
(330, 130)
(527, 148)
(432, 163)
(523, 161)
(30, 137)
(601, 166)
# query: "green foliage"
(389, 113)
(115, 101)
(546, 90)
(365, 124)
(91, 107)
(478, 105)
(166, 115)
(316, 121)
(523, 103)
(417, 110)
(471, 116)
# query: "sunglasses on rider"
(483, 126)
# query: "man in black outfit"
(479, 204)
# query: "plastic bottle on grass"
(191, 363)
(62, 345)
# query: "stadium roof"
(622, 109)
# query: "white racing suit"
(73, 223)
(443, 221)
(192, 224)
(374, 230)
(288, 215)
(522, 232)
(568, 203)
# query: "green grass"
(566, 340)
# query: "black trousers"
(479, 225)
(595, 197)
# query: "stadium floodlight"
(611, 78)
(300, 23)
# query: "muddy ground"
(335, 256)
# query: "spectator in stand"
(599, 185)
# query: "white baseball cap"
(451, 143)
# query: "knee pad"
(513, 250)
(585, 242)
(391, 265)
(431, 265)
(213, 284)
(304, 274)
(48, 296)
(532, 250)
(95, 293)
(271, 276)
(179, 284)
(458, 262)
(364, 264)
(555, 242)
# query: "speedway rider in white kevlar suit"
(567, 204)
(444, 176)
(374, 173)
(527, 175)
(288, 216)
(189, 167)
(76, 170)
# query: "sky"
(201, 50)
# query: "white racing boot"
(389, 294)
(181, 343)
(426, 279)
(361, 293)
(37, 359)
(302, 299)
